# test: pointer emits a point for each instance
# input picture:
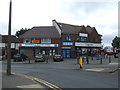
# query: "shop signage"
(68, 43)
(88, 44)
(66, 47)
(36, 41)
(39, 45)
(83, 34)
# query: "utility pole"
(9, 41)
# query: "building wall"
(57, 41)
(94, 37)
(68, 45)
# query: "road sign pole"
(9, 42)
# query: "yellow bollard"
(80, 62)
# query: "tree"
(21, 31)
(116, 42)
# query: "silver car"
(39, 58)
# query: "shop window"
(53, 52)
(50, 54)
(83, 39)
(68, 38)
(27, 41)
(46, 40)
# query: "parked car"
(19, 57)
(57, 58)
(39, 58)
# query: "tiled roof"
(41, 32)
(70, 29)
(89, 29)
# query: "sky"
(101, 14)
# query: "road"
(67, 74)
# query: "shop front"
(31, 50)
(87, 48)
(66, 52)
(67, 49)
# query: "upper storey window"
(68, 38)
(46, 40)
(27, 41)
(83, 39)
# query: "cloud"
(29, 13)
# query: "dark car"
(19, 57)
(57, 58)
(39, 58)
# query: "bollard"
(80, 63)
(83, 59)
(92, 58)
(46, 59)
(87, 59)
(77, 60)
(29, 60)
(109, 59)
(100, 60)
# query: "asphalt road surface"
(67, 74)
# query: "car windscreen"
(39, 55)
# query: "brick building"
(65, 39)
(4, 45)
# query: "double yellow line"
(40, 81)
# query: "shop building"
(40, 40)
(76, 40)
(65, 39)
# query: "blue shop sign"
(40, 45)
(66, 47)
(68, 43)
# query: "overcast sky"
(101, 14)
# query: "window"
(68, 38)
(53, 52)
(77, 39)
(83, 39)
(46, 40)
(27, 41)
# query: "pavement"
(24, 82)
(19, 82)
(105, 70)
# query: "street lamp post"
(9, 41)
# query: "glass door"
(66, 53)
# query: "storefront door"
(66, 53)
